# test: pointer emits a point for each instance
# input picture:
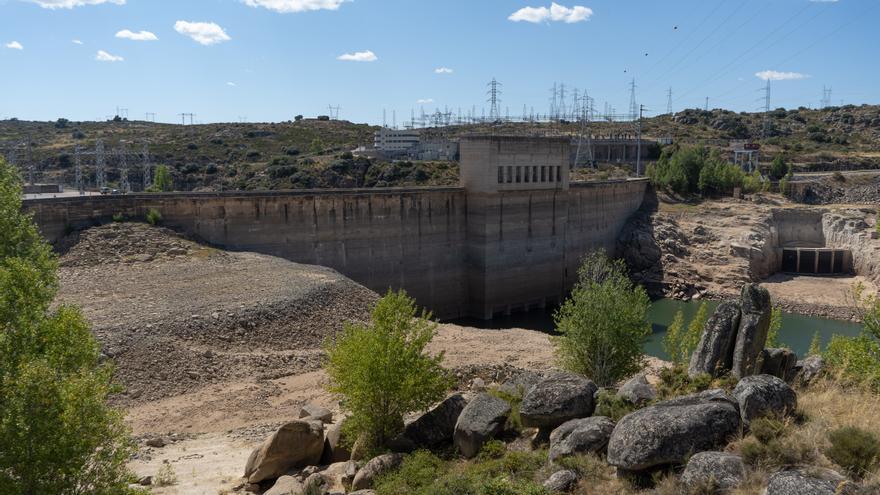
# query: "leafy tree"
(815, 345)
(694, 331)
(672, 339)
(778, 169)
(602, 326)
(679, 343)
(381, 371)
(775, 326)
(57, 435)
(162, 182)
(857, 359)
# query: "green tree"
(672, 339)
(778, 169)
(602, 326)
(380, 371)
(694, 331)
(679, 343)
(57, 434)
(162, 182)
(775, 326)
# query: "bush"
(766, 430)
(57, 434)
(778, 168)
(154, 217)
(679, 343)
(675, 381)
(773, 330)
(855, 360)
(162, 181)
(613, 406)
(381, 371)
(118, 217)
(854, 449)
(165, 476)
(602, 326)
(687, 170)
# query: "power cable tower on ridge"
(633, 107)
(494, 113)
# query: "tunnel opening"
(815, 261)
(799, 246)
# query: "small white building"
(392, 141)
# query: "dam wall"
(458, 251)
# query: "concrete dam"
(509, 238)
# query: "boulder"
(808, 369)
(285, 485)
(436, 426)
(764, 395)
(316, 412)
(637, 390)
(340, 475)
(561, 481)
(580, 436)
(751, 334)
(519, 385)
(375, 467)
(363, 492)
(297, 444)
(483, 418)
(668, 432)
(713, 471)
(714, 353)
(811, 481)
(316, 484)
(557, 399)
(779, 363)
(333, 449)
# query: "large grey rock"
(810, 481)
(316, 412)
(436, 426)
(285, 485)
(334, 451)
(519, 385)
(764, 395)
(751, 336)
(557, 399)
(580, 436)
(637, 390)
(779, 362)
(375, 467)
(714, 471)
(481, 419)
(561, 481)
(296, 444)
(714, 353)
(670, 431)
(808, 369)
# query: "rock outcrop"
(669, 432)
(751, 335)
(713, 471)
(764, 395)
(557, 399)
(637, 390)
(435, 427)
(714, 353)
(296, 444)
(778, 362)
(579, 436)
(812, 481)
(375, 467)
(483, 418)
(561, 481)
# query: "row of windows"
(525, 174)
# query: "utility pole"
(123, 170)
(765, 131)
(633, 107)
(639, 142)
(80, 186)
(706, 107)
(669, 101)
(100, 175)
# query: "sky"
(269, 60)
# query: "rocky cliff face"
(849, 229)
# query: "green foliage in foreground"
(679, 343)
(57, 434)
(854, 449)
(773, 330)
(857, 359)
(693, 169)
(381, 371)
(154, 217)
(162, 181)
(603, 326)
(493, 473)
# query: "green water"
(796, 333)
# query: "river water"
(796, 333)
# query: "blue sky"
(268, 60)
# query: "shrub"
(381, 371)
(766, 430)
(856, 360)
(514, 422)
(162, 181)
(679, 343)
(613, 406)
(118, 217)
(675, 381)
(672, 339)
(165, 476)
(784, 183)
(602, 326)
(154, 217)
(57, 434)
(417, 472)
(854, 449)
(815, 345)
(778, 168)
(775, 326)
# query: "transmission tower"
(765, 131)
(183, 117)
(100, 173)
(669, 101)
(334, 112)
(561, 110)
(706, 107)
(147, 172)
(826, 97)
(553, 115)
(77, 161)
(123, 170)
(494, 92)
(633, 106)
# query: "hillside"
(311, 153)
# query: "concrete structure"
(621, 149)
(412, 144)
(395, 141)
(485, 248)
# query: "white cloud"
(365, 56)
(772, 75)
(69, 4)
(231, 84)
(425, 101)
(556, 13)
(14, 45)
(443, 70)
(205, 33)
(76, 42)
(103, 56)
(138, 36)
(290, 6)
